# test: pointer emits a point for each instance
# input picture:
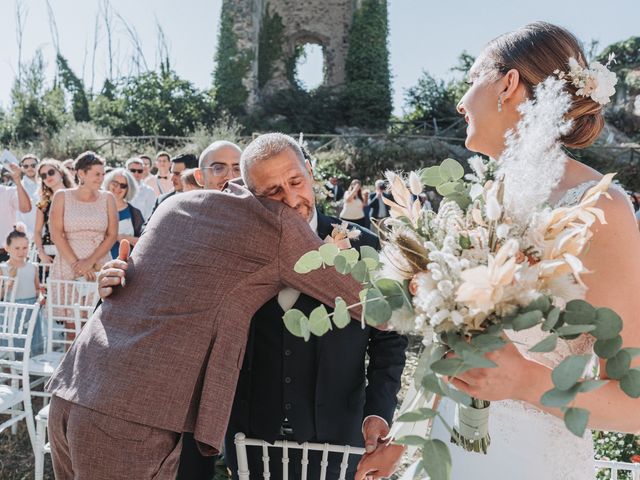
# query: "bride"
(528, 440)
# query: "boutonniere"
(341, 236)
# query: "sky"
(425, 35)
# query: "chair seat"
(43, 414)
(9, 397)
(45, 364)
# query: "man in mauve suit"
(162, 356)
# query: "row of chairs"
(68, 306)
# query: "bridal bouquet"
(494, 261)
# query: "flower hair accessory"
(597, 81)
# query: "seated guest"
(145, 199)
(123, 186)
(188, 180)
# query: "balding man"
(219, 163)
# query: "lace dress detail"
(527, 443)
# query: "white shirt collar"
(313, 223)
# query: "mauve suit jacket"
(166, 350)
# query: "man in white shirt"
(161, 182)
(145, 199)
(12, 200)
(146, 163)
(29, 165)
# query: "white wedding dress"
(526, 443)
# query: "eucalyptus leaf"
(552, 319)
(341, 265)
(542, 303)
(393, 292)
(417, 415)
(527, 320)
(574, 329)
(360, 272)
(488, 343)
(618, 366)
(608, 324)
(351, 256)
(591, 385)
(449, 366)
(474, 360)
(371, 264)
(608, 348)
(546, 345)
(411, 440)
(341, 317)
(456, 395)
(376, 309)
(579, 312)
(319, 322)
(462, 200)
(447, 188)
(451, 170)
(304, 327)
(436, 459)
(431, 176)
(309, 262)
(328, 252)
(369, 252)
(569, 371)
(431, 383)
(576, 420)
(630, 383)
(559, 398)
(634, 352)
(292, 319)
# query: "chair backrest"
(15, 343)
(69, 305)
(242, 442)
(43, 271)
(8, 288)
(616, 468)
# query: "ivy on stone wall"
(232, 66)
(367, 95)
(269, 45)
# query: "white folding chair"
(7, 288)
(15, 352)
(616, 467)
(69, 306)
(242, 442)
(43, 270)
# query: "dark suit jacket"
(320, 386)
(159, 200)
(166, 350)
(374, 203)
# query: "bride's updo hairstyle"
(536, 51)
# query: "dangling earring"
(499, 104)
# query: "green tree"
(232, 65)
(35, 109)
(73, 85)
(367, 95)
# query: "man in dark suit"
(335, 189)
(377, 208)
(316, 391)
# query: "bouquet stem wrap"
(471, 426)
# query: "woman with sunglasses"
(53, 177)
(124, 188)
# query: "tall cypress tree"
(232, 64)
(367, 95)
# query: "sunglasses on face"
(135, 170)
(29, 165)
(48, 173)
(123, 186)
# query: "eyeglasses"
(222, 169)
(136, 170)
(29, 165)
(123, 186)
(48, 173)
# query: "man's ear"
(198, 176)
(309, 168)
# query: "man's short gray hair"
(265, 147)
(134, 160)
(217, 145)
